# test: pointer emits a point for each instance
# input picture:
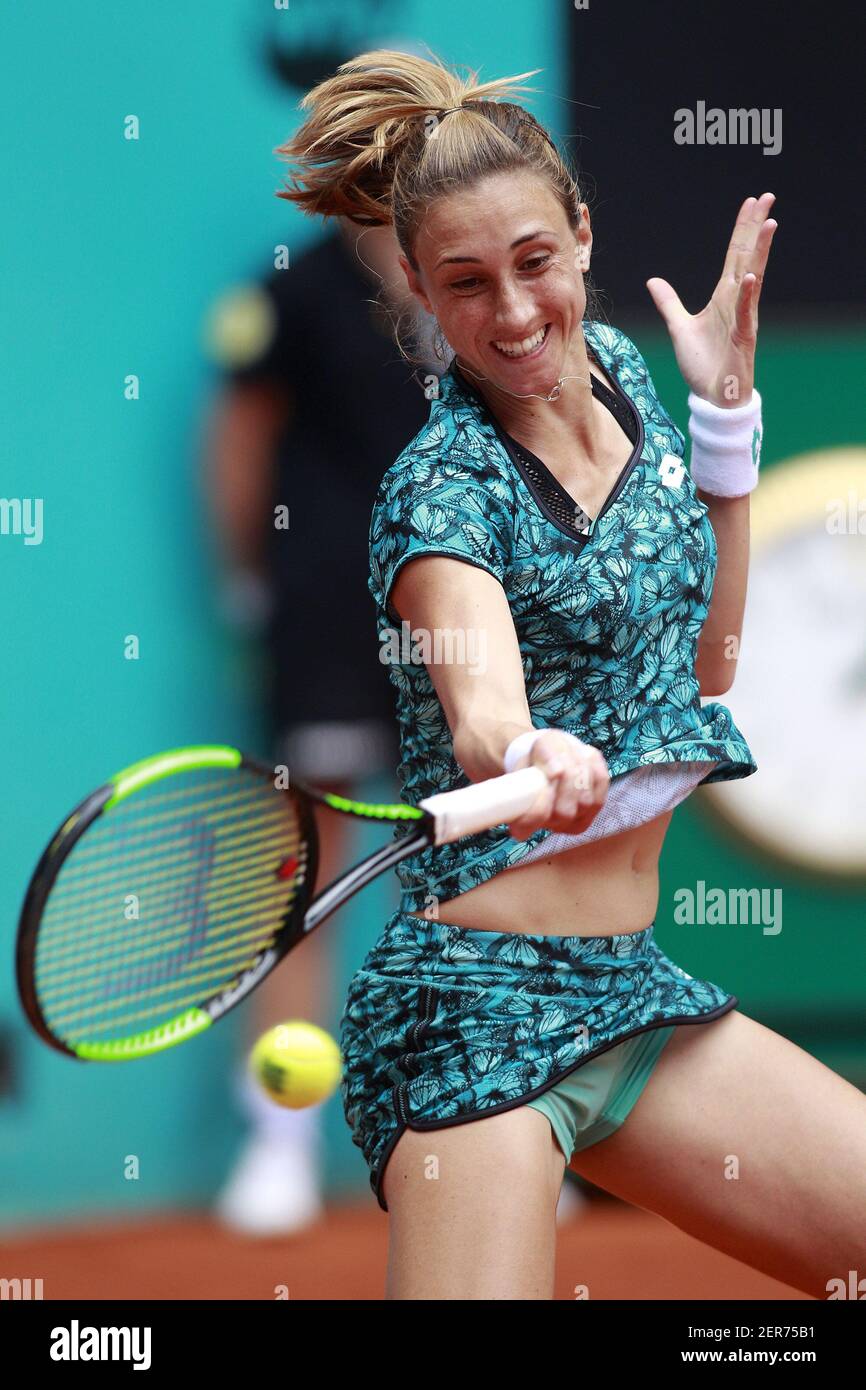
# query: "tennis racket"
(173, 890)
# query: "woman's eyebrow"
(528, 236)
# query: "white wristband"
(726, 446)
(523, 744)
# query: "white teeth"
(522, 348)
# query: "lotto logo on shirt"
(672, 470)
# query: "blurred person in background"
(304, 353)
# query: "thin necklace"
(525, 396)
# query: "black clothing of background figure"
(352, 404)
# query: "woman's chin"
(539, 381)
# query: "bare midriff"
(605, 888)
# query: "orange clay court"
(611, 1250)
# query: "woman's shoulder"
(453, 450)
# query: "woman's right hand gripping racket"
(173, 890)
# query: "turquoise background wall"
(115, 254)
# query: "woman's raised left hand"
(715, 349)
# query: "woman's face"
(499, 263)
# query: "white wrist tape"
(726, 446)
(523, 744)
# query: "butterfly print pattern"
(607, 622)
(442, 1022)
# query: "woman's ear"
(413, 280)
(583, 249)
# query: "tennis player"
(516, 1014)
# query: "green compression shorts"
(592, 1101)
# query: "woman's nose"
(514, 308)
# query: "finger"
(576, 824)
(524, 826)
(518, 831)
(600, 782)
(739, 239)
(745, 318)
(667, 301)
(749, 290)
(750, 219)
(567, 796)
(762, 251)
(583, 779)
(561, 797)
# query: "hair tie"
(525, 117)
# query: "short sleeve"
(438, 509)
(251, 333)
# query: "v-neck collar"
(456, 380)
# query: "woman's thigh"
(750, 1144)
(472, 1209)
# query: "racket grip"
(496, 801)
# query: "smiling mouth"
(530, 347)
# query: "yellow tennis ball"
(296, 1064)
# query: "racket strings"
(202, 983)
(165, 968)
(99, 858)
(166, 899)
(56, 981)
(148, 826)
(101, 886)
(113, 945)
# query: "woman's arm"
(715, 351)
(485, 702)
(486, 708)
(719, 642)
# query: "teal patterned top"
(607, 621)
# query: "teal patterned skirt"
(443, 1024)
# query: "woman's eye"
(533, 264)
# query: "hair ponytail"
(374, 148)
(378, 149)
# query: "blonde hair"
(377, 148)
